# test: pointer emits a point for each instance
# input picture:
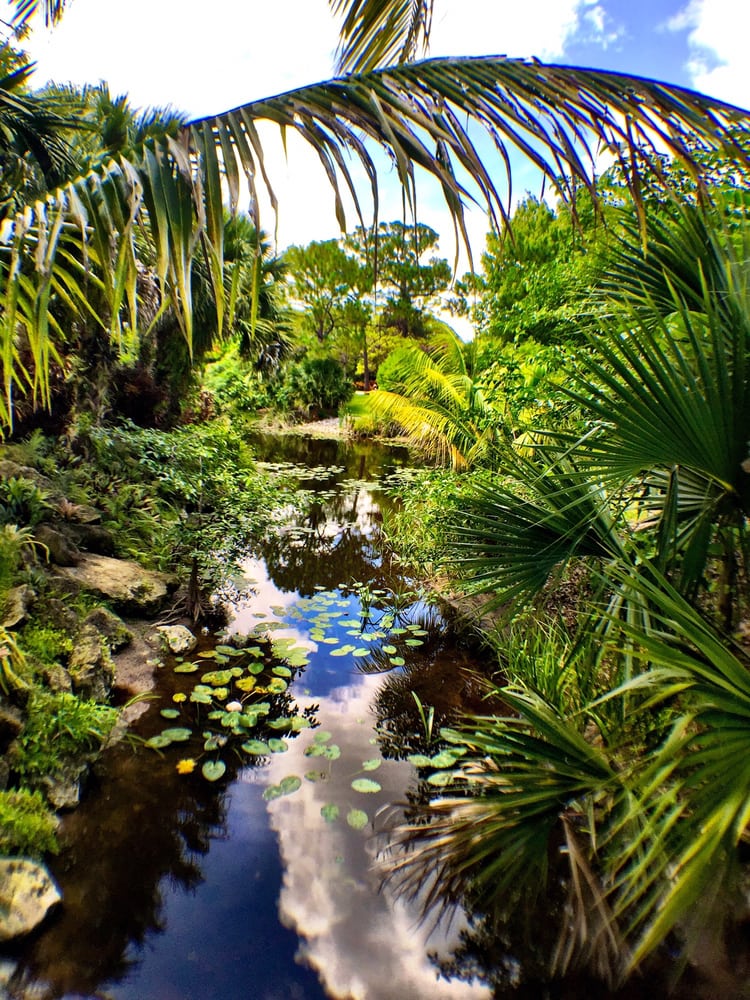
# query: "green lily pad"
(283, 722)
(186, 668)
(418, 760)
(256, 748)
(282, 671)
(277, 685)
(170, 713)
(246, 683)
(366, 785)
(178, 735)
(206, 654)
(446, 758)
(278, 746)
(372, 765)
(357, 819)
(390, 650)
(290, 784)
(200, 697)
(330, 812)
(322, 736)
(315, 750)
(332, 752)
(217, 678)
(212, 770)
(398, 661)
(440, 778)
(272, 792)
(315, 775)
(158, 742)
(414, 642)
(256, 668)
(361, 652)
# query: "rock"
(27, 894)
(82, 513)
(11, 722)
(178, 638)
(17, 604)
(126, 584)
(111, 627)
(63, 788)
(57, 678)
(90, 665)
(60, 550)
(92, 538)
(59, 613)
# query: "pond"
(266, 882)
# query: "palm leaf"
(374, 34)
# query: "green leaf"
(291, 783)
(170, 713)
(366, 785)
(178, 735)
(440, 778)
(217, 678)
(357, 819)
(158, 742)
(187, 668)
(372, 765)
(212, 770)
(278, 746)
(256, 748)
(330, 812)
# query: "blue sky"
(204, 58)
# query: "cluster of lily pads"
(378, 627)
(237, 703)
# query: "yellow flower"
(179, 697)
(186, 766)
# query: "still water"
(180, 889)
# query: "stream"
(266, 884)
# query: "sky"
(204, 58)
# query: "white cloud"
(718, 33)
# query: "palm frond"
(375, 33)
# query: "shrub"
(27, 827)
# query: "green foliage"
(44, 643)
(22, 502)
(13, 542)
(27, 827)
(59, 726)
(415, 527)
(238, 390)
(313, 386)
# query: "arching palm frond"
(25, 10)
(458, 119)
(439, 405)
(375, 34)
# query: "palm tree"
(440, 405)
(557, 116)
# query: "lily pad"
(278, 746)
(332, 752)
(246, 683)
(418, 760)
(200, 697)
(322, 736)
(178, 735)
(186, 668)
(281, 671)
(277, 685)
(398, 661)
(445, 758)
(217, 678)
(170, 713)
(372, 765)
(256, 748)
(290, 784)
(357, 819)
(440, 778)
(330, 812)
(390, 650)
(361, 652)
(212, 770)
(256, 668)
(366, 785)
(158, 742)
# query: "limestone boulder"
(90, 666)
(27, 894)
(177, 638)
(16, 608)
(111, 627)
(128, 586)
